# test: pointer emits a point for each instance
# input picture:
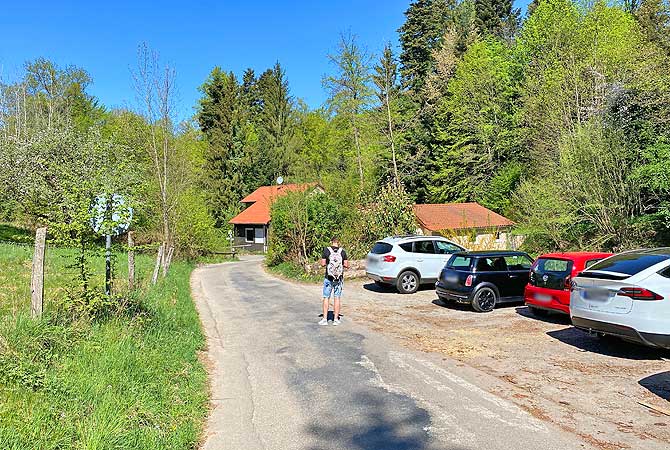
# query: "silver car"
(626, 295)
(406, 262)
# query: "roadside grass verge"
(132, 380)
(292, 271)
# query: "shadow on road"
(556, 318)
(379, 428)
(658, 384)
(609, 346)
(390, 289)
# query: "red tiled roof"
(455, 216)
(258, 212)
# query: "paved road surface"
(280, 381)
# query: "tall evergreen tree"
(497, 17)
(425, 24)
(275, 121)
(218, 120)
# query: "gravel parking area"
(589, 386)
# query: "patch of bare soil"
(583, 384)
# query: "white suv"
(409, 261)
(626, 295)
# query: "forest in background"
(558, 120)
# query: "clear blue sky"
(193, 37)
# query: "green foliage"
(475, 123)
(302, 225)
(194, 227)
(389, 214)
(131, 381)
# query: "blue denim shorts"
(334, 287)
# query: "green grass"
(131, 381)
(293, 271)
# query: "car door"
(493, 269)
(518, 267)
(426, 260)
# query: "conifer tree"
(425, 24)
(275, 121)
(218, 119)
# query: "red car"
(548, 288)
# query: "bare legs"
(336, 307)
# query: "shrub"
(302, 224)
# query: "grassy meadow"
(130, 380)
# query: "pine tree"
(497, 17)
(218, 120)
(275, 121)
(426, 22)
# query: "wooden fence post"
(131, 261)
(37, 279)
(168, 261)
(159, 259)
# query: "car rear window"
(381, 248)
(590, 262)
(460, 263)
(550, 273)
(625, 264)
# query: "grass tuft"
(129, 379)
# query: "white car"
(626, 295)
(406, 262)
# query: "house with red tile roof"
(251, 226)
(469, 224)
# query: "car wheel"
(538, 312)
(408, 282)
(484, 300)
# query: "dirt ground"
(587, 385)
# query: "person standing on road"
(335, 260)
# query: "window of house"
(249, 234)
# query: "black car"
(484, 279)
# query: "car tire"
(538, 311)
(408, 282)
(484, 300)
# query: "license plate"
(543, 298)
(598, 296)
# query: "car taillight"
(468, 281)
(389, 258)
(638, 293)
(567, 284)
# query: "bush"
(302, 224)
(194, 227)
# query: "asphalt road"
(280, 381)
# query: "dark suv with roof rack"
(485, 278)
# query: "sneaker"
(336, 322)
(323, 322)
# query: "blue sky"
(193, 37)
